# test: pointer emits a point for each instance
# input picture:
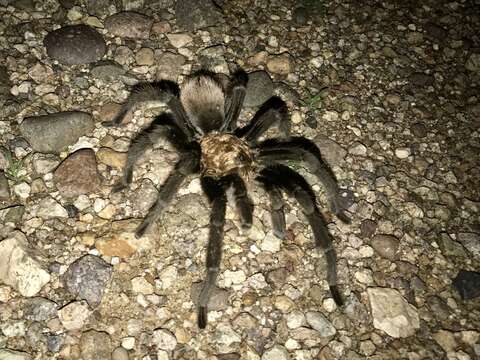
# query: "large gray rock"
(259, 88)
(6, 354)
(54, 132)
(392, 313)
(95, 345)
(196, 14)
(87, 277)
(101, 8)
(319, 322)
(40, 309)
(75, 44)
(19, 268)
(129, 24)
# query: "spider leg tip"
(336, 295)
(344, 218)
(202, 317)
(280, 234)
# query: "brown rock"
(385, 245)
(112, 158)
(108, 111)
(280, 64)
(77, 174)
(129, 24)
(121, 240)
(114, 246)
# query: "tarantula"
(202, 127)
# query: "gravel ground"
(389, 91)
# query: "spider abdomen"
(224, 154)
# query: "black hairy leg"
(234, 102)
(242, 202)
(273, 112)
(188, 164)
(162, 127)
(215, 191)
(277, 204)
(302, 149)
(164, 92)
(294, 184)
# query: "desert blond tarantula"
(202, 127)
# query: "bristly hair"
(203, 98)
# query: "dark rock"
(100, 8)
(15, 214)
(286, 92)
(159, 4)
(34, 336)
(331, 151)
(169, 65)
(54, 342)
(213, 56)
(471, 241)
(368, 228)
(467, 283)
(71, 210)
(435, 31)
(77, 174)
(67, 4)
(40, 309)
(95, 345)
(439, 307)
(300, 15)
(449, 247)
(129, 24)
(311, 120)
(276, 278)
(385, 245)
(196, 14)
(355, 310)
(4, 187)
(231, 356)
(75, 44)
(86, 278)
(421, 79)
(4, 81)
(418, 285)
(54, 132)
(419, 130)
(259, 88)
(107, 71)
(27, 5)
(218, 298)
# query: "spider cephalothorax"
(202, 126)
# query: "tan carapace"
(224, 154)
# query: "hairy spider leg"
(162, 127)
(188, 164)
(242, 202)
(165, 92)
(277, 205)
(238, 87)
(302, 149)
(274, 111)
(215, 191)
(295, 185)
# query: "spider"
(202, 127)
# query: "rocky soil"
(390, 92)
